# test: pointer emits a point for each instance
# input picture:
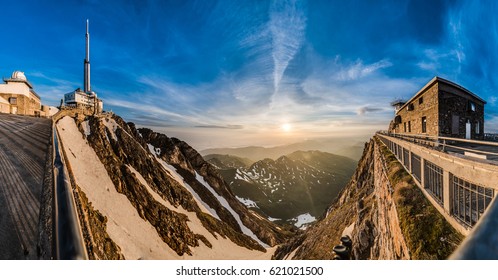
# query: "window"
(424, 125)
(421, 100)
(404, 124)
(13, 100)
(409, 126)
(477, 128)
(410, 107)
(472, 106)
(455, 124)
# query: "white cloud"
(367, 109)
(359, 70)
(287, 25)
(491, 125)
(492, 100)
(151, 109)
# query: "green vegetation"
(427, 234)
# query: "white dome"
(18, 75)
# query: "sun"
(286, 127)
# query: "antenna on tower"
(86, 79)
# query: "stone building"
(19, 95)
(4, 106)
(440, 108)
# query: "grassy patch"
(427, 234)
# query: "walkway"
(23, 149)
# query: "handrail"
(69, 243)
(482, 242)
(435, 140)
(423, 136)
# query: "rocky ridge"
(384, 213)
(292, 189)
(132, 164)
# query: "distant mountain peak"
(301, 184)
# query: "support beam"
(446, 192)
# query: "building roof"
(19, 77)
(441, 80)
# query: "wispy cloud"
(151, 109)
(366, 109)
(287, 25)
(224, 71)
(50, 88)
(359, 70)
(233, 126)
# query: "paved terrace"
(24, 145)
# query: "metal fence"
(469, 200)
(416, 167)
(487, 150)
(471, 205)
(433, 180)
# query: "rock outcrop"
(136, 161)
(188, 163)
(384, 213)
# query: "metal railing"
(491, 137)
(69, 244)
(487, 148)
(482, 242)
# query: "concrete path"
(23, 150)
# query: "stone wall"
(455, 103)
(389, 243)
(428, 108)
(24, 104)
(383, 211)
(78, 113)
(440, 104)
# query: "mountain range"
(293, 189)
(143, 195)
(348, 147)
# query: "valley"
(294, 189)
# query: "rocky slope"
(294, 189)
(144, 195)
(384, 213)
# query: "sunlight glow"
(286, 127)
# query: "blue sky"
(236, 73)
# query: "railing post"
(446, 192)
(422, 171)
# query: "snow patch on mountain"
(86, 128)
(247, 202)
(225, 204)
(303, 220)
(171, 170)
(112, 126)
